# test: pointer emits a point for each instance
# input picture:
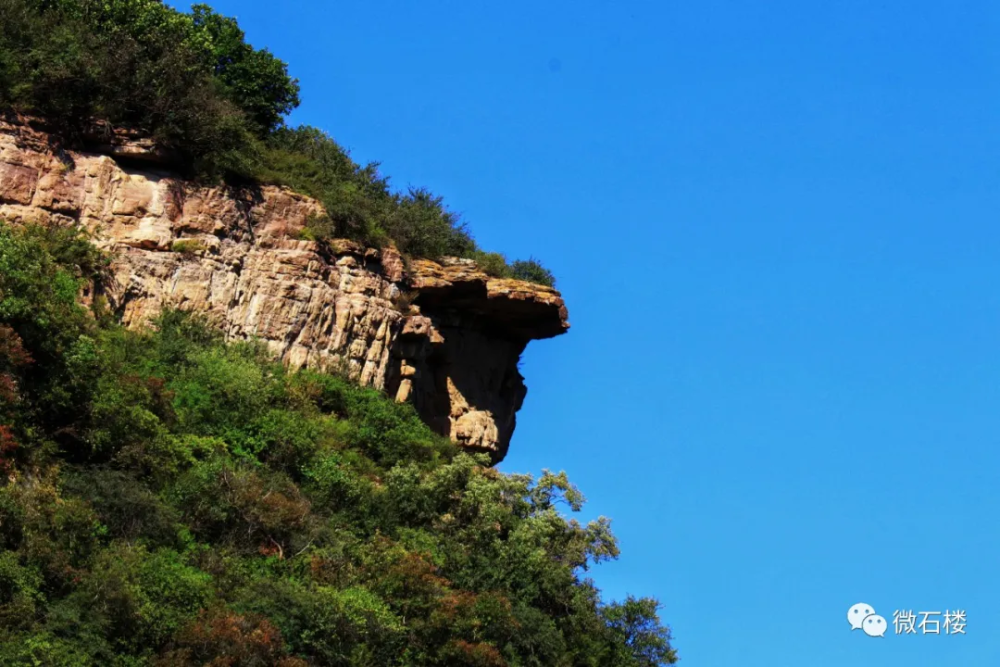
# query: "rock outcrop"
(444, 336)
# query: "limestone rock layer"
(442, 335)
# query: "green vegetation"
(188, 80)
(191, 81)
(531, 270)
(171, 500)
(188, 246)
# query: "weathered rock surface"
(235, 256)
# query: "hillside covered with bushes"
(190, 81)
(168, 499)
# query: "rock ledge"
(236, 257)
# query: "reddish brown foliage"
(473, 654)
(413, 576)
(458, 603)
(12, 352)
(271, 510)
(226, 639)
(12, 357)
(8, 445)
(273, 550)
(8, 388)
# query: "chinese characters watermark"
(930, 622)
(863, 617)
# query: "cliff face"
(235, 256)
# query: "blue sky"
(775, 226)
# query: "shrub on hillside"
(532, 271)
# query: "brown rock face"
(234, 256)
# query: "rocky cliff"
(443, 336)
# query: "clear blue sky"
(776, 228)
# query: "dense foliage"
(168, 499)
(191, 81)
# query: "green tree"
(255, 80)
(637, 639)
(532, 271)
